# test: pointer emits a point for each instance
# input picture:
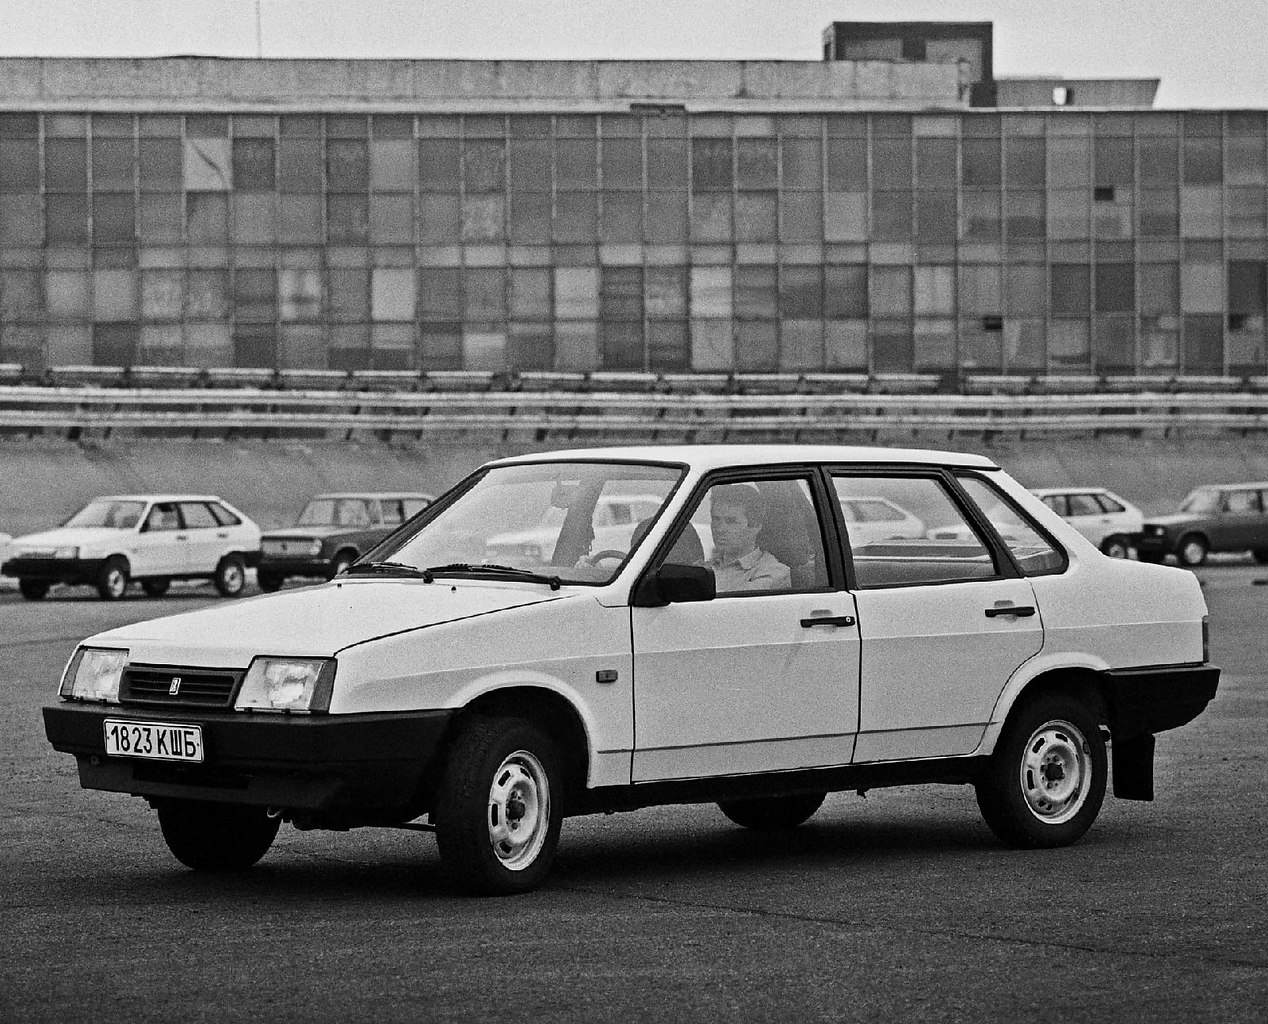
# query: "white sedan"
(487, 702)
(1108, 521)
(150, 538)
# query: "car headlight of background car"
(1155, 531)
(94, 674)
(287, 684)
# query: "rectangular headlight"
(94, 674)
(287, 684)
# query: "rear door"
(944, 619)
(206, 540)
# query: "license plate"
(157, 741)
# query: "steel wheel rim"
(233, 578)
(1117, 551)
(1056, 772)
(519, 810)
(1193, 552)
(116, 582)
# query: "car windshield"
(338, 512)
(576, 521)
(115, 515)
(1201, 500)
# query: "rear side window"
(1034, 553)
(1243, 501)
(1084, 505)
(393, 512)
(1108, 504)
(412, 506)
(1057, 503)
(223, 516)
(923, 537)
(197, 516)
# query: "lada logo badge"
(175, 688)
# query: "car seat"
(790, 533)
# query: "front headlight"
(94, 674)
(314, 547)
(287, 684)
(66, 553)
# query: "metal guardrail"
(606, 414)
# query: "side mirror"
(676, 584)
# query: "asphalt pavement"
(897, 907)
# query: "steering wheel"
(598, 556)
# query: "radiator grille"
(179, 686)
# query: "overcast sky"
(1207, 52)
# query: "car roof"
(721, 456)
(158, 497)
(1260, 485)
(1041, 492)
(373, 494)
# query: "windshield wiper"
(481, 568)
(389, 569)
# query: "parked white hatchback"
(429, 689)
(150, 538)
(1112, 523)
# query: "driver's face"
(732, 535)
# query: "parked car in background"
(614, 520)
(148, 538)
(332, 532)
(1112, 523)
(496, 699)
(871, 518)
(1219, 517)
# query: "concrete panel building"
(892, 209)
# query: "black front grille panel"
(197, 687)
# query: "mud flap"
(1134, 767)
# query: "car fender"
(1041, 664)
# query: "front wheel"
(498, 811)
(112, 580)
(341, 563)
(1044, 785)
(216, 837)
(1115, 547)
(1261, 555)
(33, 590)
(230, 576)
(772, 813)
(1192, 550)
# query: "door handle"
(828, 620)
(1020, 610)
(222, 536)
(182, 536)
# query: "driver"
(737, 514)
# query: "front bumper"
(358, 767)
(1155, 544)
(53, 570)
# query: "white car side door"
(158, 549)
(943, 624)
(750, 681)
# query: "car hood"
(64, 536)
(316, 621)
(1175, 519)
(293, 532)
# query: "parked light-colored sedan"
(1112, 523)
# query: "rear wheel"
(772, 813)
(156, 587)
(269, 582)
(216, 837)
(1261, 555)
(341, 563)
(1192, 550)
(1115, 547)
(1044, 785)
(498, 811)
(112, 580)
(230, 576)
(33, 590)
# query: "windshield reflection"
(114, 515)
(577, 521)
(1202, 501)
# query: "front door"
(764, 677)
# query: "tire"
(499, 806)
(341, 562)
(772, 813)
(156, 587)
(33, 590)
(112, 580)
(1115, 547)
(216, 837)
(1261, 555)
(1044, 785)
(268, 582)
(230, 576)
(1192, 549)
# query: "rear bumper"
(1143, 701)
(1153, 544)
(354, 766)
(54, 570)
(273, 565)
